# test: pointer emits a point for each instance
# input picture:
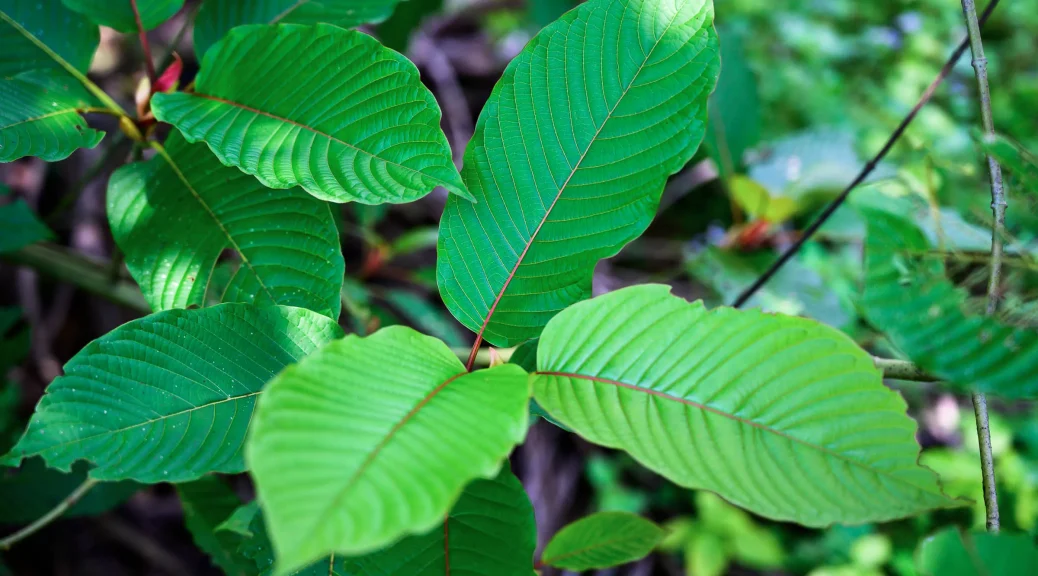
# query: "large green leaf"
(207, 502)
(783, 416)
(953, 552)
(175, 214)
(371, 439)
(44, 34)
(169, 397)
(36, 121)
(119, 15)
(908, 297)
(343, 117)
(21, 227)
(489, 531)
(570, 156)
(602, 540)
(217, 17)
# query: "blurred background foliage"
(809, 90)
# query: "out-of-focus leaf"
(33, 489)
(871, 551)
(755, 199)
(414, 240)
(396, 31)
(602, 540)
(705, 554)
(207, 502)
(119, 15)
(953, 552)
(734, 121)
(240, 521)
(1014, 158)
(20, 227)
(428, 318)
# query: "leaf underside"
(344, 117)
(752, 406)
(911, 300)
(371, 439)
(169, 397)
(602, 540)
(119, 15)
(175, 214)
(570, 156)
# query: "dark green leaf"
(119, 15)
(44, 34)
(953, 552)
(33, 490)
(20, 226)
(207, 502)
(602, 540)
(41, 122)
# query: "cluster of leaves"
(385, 453)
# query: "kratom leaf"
(602, 540)
(207, 502)
(344, 117)
(119, 15)
(175, 214)
(371, 439)
(35, 121)
(952, 552)
(168, 397)
(734, 124)
(909, 298)
(33, 490)
(20, 226)
(570, 156)
(217, 17)
(240, 520)
(749, 405)
(44, 34)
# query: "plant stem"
(902, 370)
(149, 64)
(68, 267)
(49, 517)
(998, 207)
(869, 167)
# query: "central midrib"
(576, 167)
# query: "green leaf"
(216, 17)
(953, 552)
(169, 397)
(344, 117)
(240, 520)
(175, 214)
(602, 540)
(431, 319)
(1013, 157)
(758, 202)
(909, 298)
(740, 403)
(570, 156)
(734, 120)
(44, 34)
(41, 122)
(33, 490)
(21, 227)
(207, 502)
(371, 439)
(119, 15)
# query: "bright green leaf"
(740, 403)
(119, 14)
(44, 34)
(570, 156)
(344, 117)
(909, 298)
(217, 17)
(705, 554)
(35, 121)
(20, 226)
(371, 439)
(602, 540)
(175, 214)
(758, 202)
(169, 397)
(952, 552)
(207, 502)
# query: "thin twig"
(49, 517)
(149, 64)
(836, 203)
(998, 207)
(902, 370)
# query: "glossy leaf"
(343, 117)
(20, 226)
(952, 552)
(44, 35)
(909, 298)
(168, 397)
(371, 439)
(602, 540)
(35, 121)
(570, 156)
(740, 403)
(217, 17)
(175, 214)
(119, 15)
(207, 502)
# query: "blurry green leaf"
(216, 17)
(120, 16)
(414, 240)
(431, 319)
(908, 297)
(240, 520)
(734, 122)
(372, 439)
(705, 555)
(169, 397)
(207, 502)
(749, 544)
(32, 490)
(871, 551)
(396, 31)
(728, 383)
(20, 227)
(679, 531)
(1013, 158)
(952, 552)
(352, 118)
(602, 540)
(609, 124)
(758, 202)
(174, 215)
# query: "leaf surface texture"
(602, 540)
